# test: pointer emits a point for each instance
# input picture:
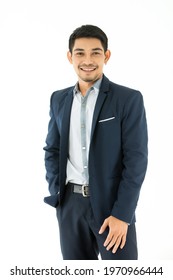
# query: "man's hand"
(117, 233)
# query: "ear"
(107, 56)
(69, 56)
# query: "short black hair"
(88, 31)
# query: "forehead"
(87, 44)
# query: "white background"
(33, 45)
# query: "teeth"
(88, 69)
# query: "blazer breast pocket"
(106, 120)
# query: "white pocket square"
(105, 120)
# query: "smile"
(87, 69)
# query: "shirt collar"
(95, 86)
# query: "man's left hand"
(117, 233)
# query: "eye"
(79, 53)
(96, 53)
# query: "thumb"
(103, 227)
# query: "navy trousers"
(79, 237)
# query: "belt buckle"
(84, 191)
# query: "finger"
(116, 246)
(103, 227)
(123, 241)
(108, 239)
(111, 244)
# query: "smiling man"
(88, 58)
(95, 156)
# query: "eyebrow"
(95, 49)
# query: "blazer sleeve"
(135, 157)
(52, 158)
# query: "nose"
(87, 59)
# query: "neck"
(85, 86)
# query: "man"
(95, 156)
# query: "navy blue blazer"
(118, 150)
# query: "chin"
(89, 79)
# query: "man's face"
(88, 58)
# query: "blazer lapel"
(65, 132)
(99, 103)
(66, 115)
(64, 140)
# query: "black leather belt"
(81, 189)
